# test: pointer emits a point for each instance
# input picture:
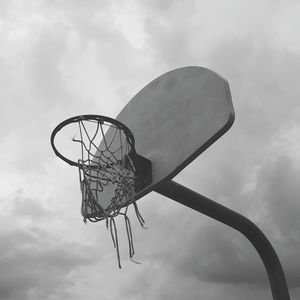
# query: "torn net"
(107, 177)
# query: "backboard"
(175, 118)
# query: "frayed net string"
(114, 237)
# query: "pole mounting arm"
(233, 219)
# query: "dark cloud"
(209, 252)
(36, 265)
(219, 255)
(278, 187)
(41, 258)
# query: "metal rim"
(98, 118)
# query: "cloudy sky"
(69, 57)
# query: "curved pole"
(219, 212)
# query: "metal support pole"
(219, 212)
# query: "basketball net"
(107, 170)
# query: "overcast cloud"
(69, 57)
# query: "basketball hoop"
(109, 174)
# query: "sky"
(64, 58)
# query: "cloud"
(26, 207)
(36, 261)
(158, 283)
(62, 58)
(222, 257)
(279, 190)
(35, 265)
(209, 252)
(169, 31)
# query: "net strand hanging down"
(107, 168)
